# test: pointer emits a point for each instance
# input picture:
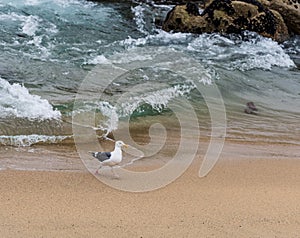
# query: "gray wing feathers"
(101, 156)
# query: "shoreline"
(252, 196)
(239, 200)
(66, 158)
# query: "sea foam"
(16, 101)
(30, 25)
(255, 53)
(28, 140)
(139, 18)
(158, 100)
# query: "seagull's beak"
(125, 145)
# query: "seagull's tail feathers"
(94, 154)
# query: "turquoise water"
(49, 48)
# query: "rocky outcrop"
(171, 2)
(228, 16)
(289, 10)
(179, 20)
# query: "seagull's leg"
(114, 173)
(97, 171)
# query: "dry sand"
(241, 197)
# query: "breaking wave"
(256, 52)
(16, 101)
(28, 140)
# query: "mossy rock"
(228, 16)
(289, 11)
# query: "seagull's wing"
(101, 156)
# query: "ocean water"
(101, 65)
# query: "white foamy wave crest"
(161, 38)
(30, 25)
(130, 57)
(139, 18)
(32, 2)
(16, 101)
(38, 31)
(263, 54)
(60, 3)
(100, 59)
(67, 3)
(28, 140)
(110, 112)
(12, 17)
(255, 53)
(158, 100)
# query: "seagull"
(110, 158)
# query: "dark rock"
(249, 111)
(229, 16)
(242, 15)
(22, 35)
(176, 2)
(224, 5)
(179, 20)
(289, 10)
(251, 108)
(192, 8)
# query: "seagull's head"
(120, 144)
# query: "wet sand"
(249, 193)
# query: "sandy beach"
(241, 197)
(78, 75)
